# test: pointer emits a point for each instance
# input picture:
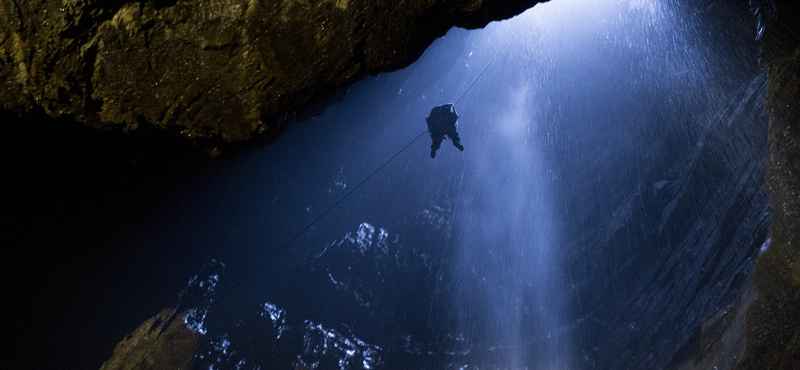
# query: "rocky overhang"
(218, 72)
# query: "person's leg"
(456, 140)
(436, 144)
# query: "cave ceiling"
(217, 72)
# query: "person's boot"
(460, 147)
(433, 153)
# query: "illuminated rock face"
(217, 71)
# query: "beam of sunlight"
(510, 294)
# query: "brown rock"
(162, 342)
(216, 71)
(773, 320)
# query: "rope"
(285, 245)
(301, 232)
(323, 214)
(486, 67)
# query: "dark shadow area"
(68, 193)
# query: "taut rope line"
(323, 214)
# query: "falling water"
(508, 288)
(587, 71)
(581, 227)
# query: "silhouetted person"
(441, 123)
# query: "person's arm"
(453, 110)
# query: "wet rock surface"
(215, 71)
(720, 342)
(770, 332)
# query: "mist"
(608, 202)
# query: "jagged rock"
(217, 71)
(161, 342)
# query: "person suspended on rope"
(442, 122)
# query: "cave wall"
(215, 71)
(773, 320)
